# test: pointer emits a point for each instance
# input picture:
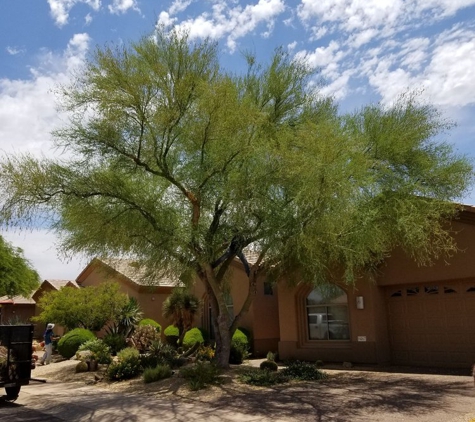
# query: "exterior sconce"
(359, 302)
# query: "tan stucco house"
(262, 319)
(409, 315)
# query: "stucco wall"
(367, 344)
(400, 269)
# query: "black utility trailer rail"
(15, 358)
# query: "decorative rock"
(83, 355)
(347, 365)
(82, 367)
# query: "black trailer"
(15, 358)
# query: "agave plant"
(129, 317)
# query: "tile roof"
(17, 300)
(128, 268)
(57, 284)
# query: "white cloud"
(179, 6)
(14, 50)
(444, 69)
(226, 21)
(27, 107)
(165, 20)
(59, 9)
(322, 57)
(87, 19)
(119, 7)
(338, 88)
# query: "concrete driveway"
(346, 396)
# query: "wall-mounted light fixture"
(359, 302)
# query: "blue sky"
(366, 50)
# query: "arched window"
(327, 313)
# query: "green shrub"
(269, 365)
(255, 376)
(100, 351)
(191, 337)
(160, 354)
(69, 344)
(152, 323)
(156, 374)
(115, 341)
(172, 335)
(201, 375)
(128, 353)
(239, 348)
(271, 356)
(127, 367)
(303, 371)
(144, 336)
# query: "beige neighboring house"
(49, 285)
(19, 308)
(16, 308)
(262, 319)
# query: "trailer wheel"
(12, 392)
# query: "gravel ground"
(355, 394)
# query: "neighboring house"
(48, 286)
(22, 309)
(262, 319)
(16, 309)
(410, 315)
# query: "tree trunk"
(222, 355)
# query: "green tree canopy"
(90, 307)
(183, 166)
(17, 277)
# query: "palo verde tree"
(183, 166)
(17, 277)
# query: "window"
(431, 290)
(327, 313)
(449, 290)
(412, 291)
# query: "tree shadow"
(347, 396)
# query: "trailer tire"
(12, 392)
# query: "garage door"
(432, 324)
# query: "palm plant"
(181, 308)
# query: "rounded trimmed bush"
(151, 322)
(171, 335)
(193, 336)
(240, 337)
(239, 348)
(268, 365)
(69, 344)
(171, 330)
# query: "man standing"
(48, 337)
